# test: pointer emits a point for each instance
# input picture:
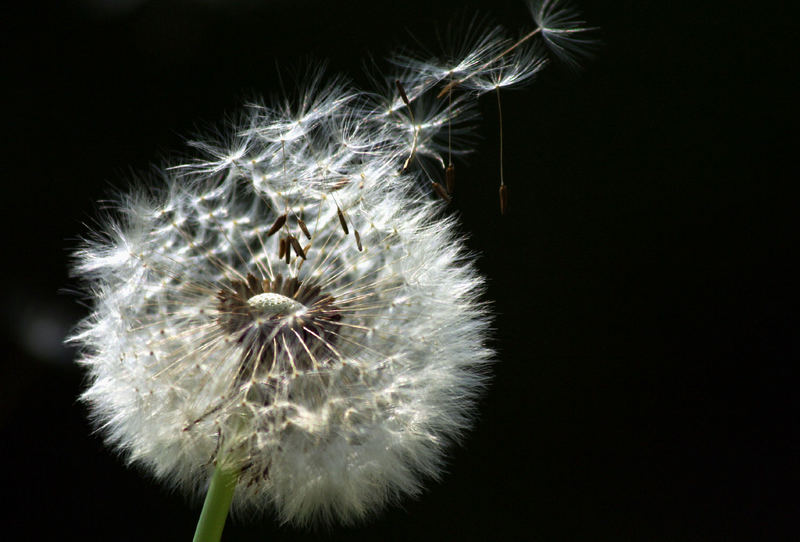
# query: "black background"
(642, 279)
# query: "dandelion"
(292, 316)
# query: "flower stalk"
(215, 508)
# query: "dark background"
(646, 322)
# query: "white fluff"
(330, 406)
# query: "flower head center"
(279, 325)
(272, 304)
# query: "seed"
(447, 89)
(450, 178)
(340, 184)
(278, 224)
(296, 246)
(402, 93)
(303, 227)
(342, 221)
(503, 199)
(282, 247)
(358, 240)
(439, 189)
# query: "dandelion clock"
(290, 322)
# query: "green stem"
(215, 508)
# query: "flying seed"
(282, 248)
(503, 199)
(303, 227)
(296, 246)
(413, 123)
(288, 254)
(439, 189)
(358, 240)
(278, 224)
(450, 178)
(342, 221)
(402, 92)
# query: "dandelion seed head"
(327, 380)
(292, 305)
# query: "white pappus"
(294, 305)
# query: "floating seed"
(288, 254)
(450, 178)
(503, 199)
(278, 224)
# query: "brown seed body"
(282, 247)
(450, 178)
(296, 246)
(342, 221)
(439, 189)
(503, 199)
(402, 93)
(358, 240)
(303, 227)
(278, 224)
(447, 89)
